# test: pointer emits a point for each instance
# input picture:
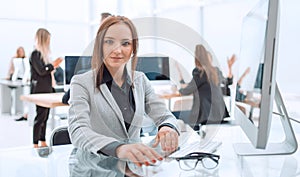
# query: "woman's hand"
(57, 62)
(231, 61)
(139, 154)
(168, 139)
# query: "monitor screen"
(258, 80)
(154, 67)
(76, 65)
(257, 65)
(252, 56)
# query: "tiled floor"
(19, 133)
(15, 134)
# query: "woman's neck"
(117, 75)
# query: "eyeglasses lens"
(209, 163)
(188, 164)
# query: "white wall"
(222, 31)
(74, 23)
(67, 21)
(288, 50)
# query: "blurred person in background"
(42, 81)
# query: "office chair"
(60, 136)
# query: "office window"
(68, 38)
(67, 21)
(20, 9)
(68, 10)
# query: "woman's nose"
(117, 49)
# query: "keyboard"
(188, 142)
(209, 147)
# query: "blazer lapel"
(115, 107)
(139, 111)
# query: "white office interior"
(74, 24)
(218, 22)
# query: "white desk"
(48, 100)
(14, 87)
(25, 161)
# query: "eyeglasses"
(190, 161)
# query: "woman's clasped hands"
(141, 154)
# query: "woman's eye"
(125, 43)
(109, 41)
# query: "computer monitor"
(156, 68)
(75, 65)
(259, 52)
(258, 80)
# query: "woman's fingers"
(152, 155)
(156, 141)
(168, 138)
(139, 154)
(132, 158)
(169, 141)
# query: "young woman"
(208, 104)
(225, 82)
(20, 53)
(41, 82)
(108, 103)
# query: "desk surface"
(17, 83)
(176, 101)
(26, 162)
(169, 95)
(49, 100)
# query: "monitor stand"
(288, 146)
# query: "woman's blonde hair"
(203, 62)
(43, 44)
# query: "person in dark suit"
(104, 15)
(225, 82)
(208, 104)
(240, 96)
(66, 97)
(59, 76)
(42, 80)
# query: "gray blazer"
(95, 119)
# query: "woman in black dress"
(208, 103)
(42, 70)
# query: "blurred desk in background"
(177, 102)
(247, 107)
(10, 92)
(48, 100)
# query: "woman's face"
(20, 52)
(117, 46)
